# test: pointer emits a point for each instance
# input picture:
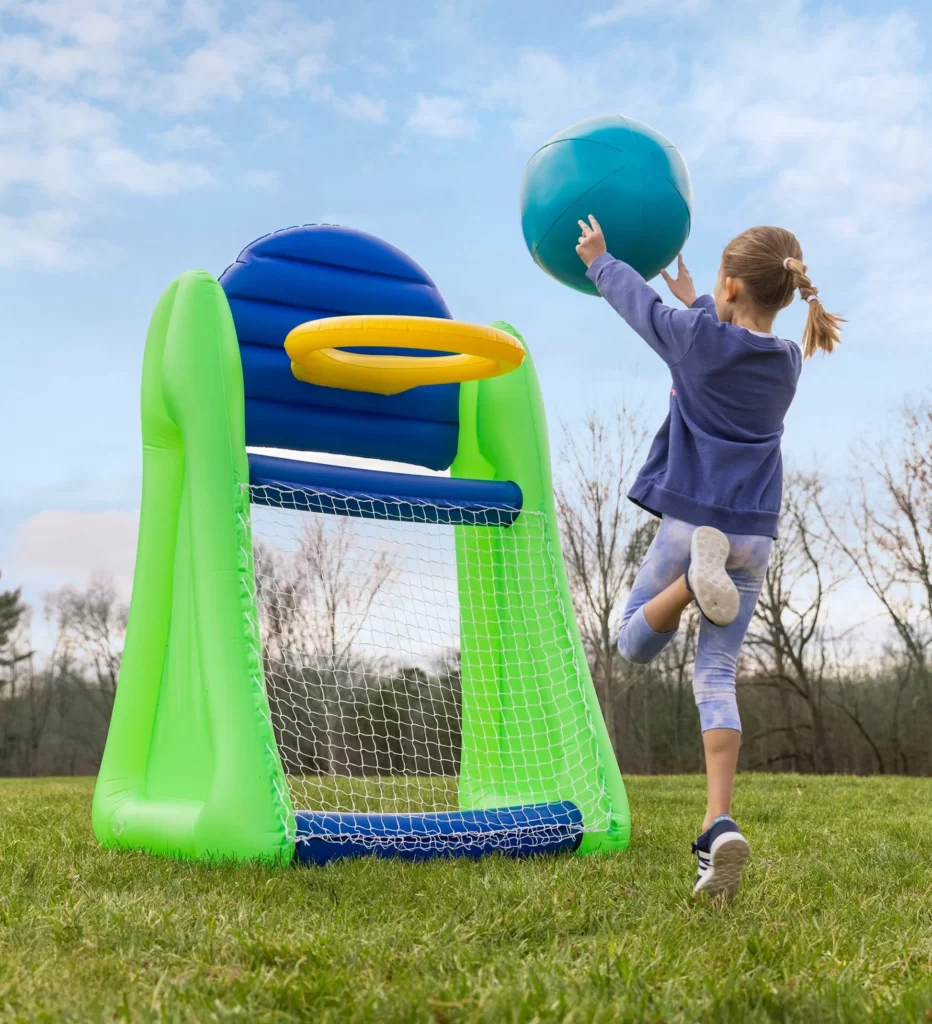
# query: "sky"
(142, 138)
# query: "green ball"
(628, 176)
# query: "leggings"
(717, 654)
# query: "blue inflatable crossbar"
(370, 494)
(323, 836)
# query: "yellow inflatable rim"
(480, 352)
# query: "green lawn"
(834, 922)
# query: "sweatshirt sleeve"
(707, 303)
(669, 332)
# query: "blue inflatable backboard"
(319, 270)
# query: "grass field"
(834, 922)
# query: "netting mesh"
(415, 666)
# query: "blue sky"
(140, 138)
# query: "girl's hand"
(682, 285)
(591, 241)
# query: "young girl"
(714, 475)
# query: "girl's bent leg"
(662, 613)
(658, 596)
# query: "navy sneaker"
(706, 578)
(722, 852)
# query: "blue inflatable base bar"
(370, 494)
(323, 836)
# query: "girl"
(714, 475)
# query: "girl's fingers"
(679, 262)
(666, 277)
(584, 227)
(594, 223)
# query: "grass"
(834, 922)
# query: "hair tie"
(812, 298)
(786, 263)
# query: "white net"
(414, 667)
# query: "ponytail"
(822, 332)
(769, 261)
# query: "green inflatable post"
(191, 766)
(517, 747)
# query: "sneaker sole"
(715, 593)
(730, 853)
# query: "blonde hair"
(770, 263)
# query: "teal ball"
(633, 181)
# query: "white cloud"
(830, 132)
(46, 239)
(543, 93)
(72, 76)
(355, 105)
(443, 117)
(630, 9)
(267, 181)
(401, 51)
(361, 108)
(56, 155)
(187, 136)
(61, 546)
(201, 15)
(273, 126)
(128, 172)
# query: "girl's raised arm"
(669, 332)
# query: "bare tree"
(604, 536)
(90, 630)
(315, 601)
(789, 648)
(887, 538)
(319, 598)
(55, 714)
(343, 580)
(891, 516)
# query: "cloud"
(361, 108)
(187, 136)
(261, 55)
(129, 172)
(73, 78)
(46, 239)
(267, 181)
(543, 93)
(830, 133)
(56, 156)
(354, 105)
(630, 9)
(443, 117)
(61, 546)
(272, 127)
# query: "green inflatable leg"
(191, 768)
(532, 727)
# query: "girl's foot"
(706, 579)
(722, 852)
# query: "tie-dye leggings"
(717, 655)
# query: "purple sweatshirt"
(716, 460)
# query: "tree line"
(814, 697)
